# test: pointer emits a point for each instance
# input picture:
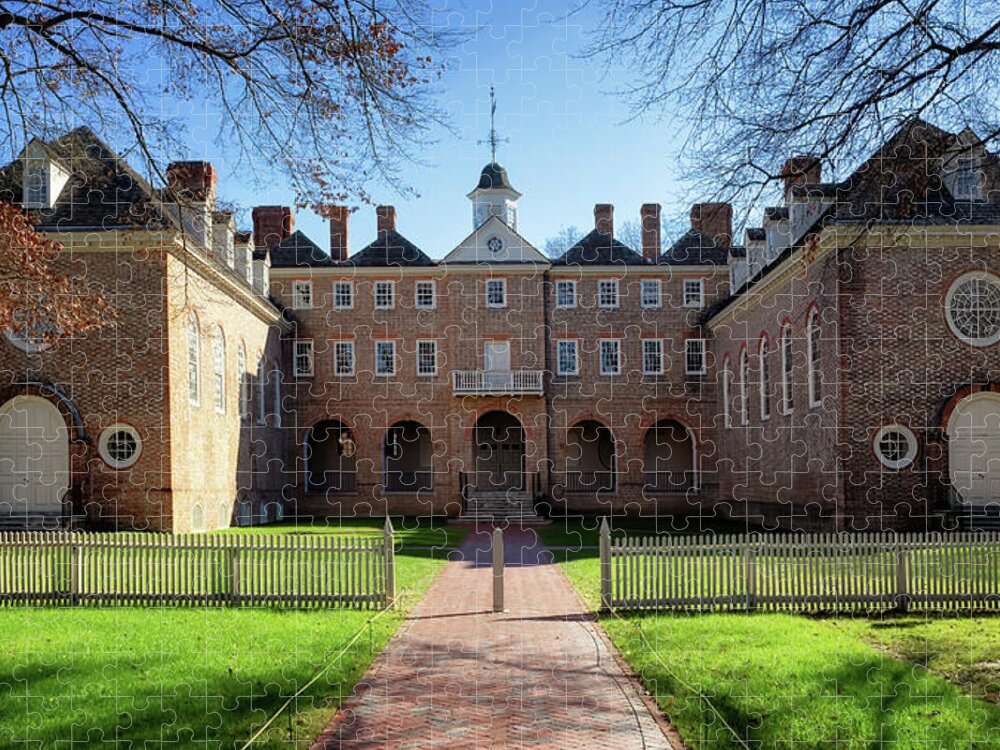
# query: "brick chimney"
(386, 216)
(715, 221)
(800, 170)
(272, 224)
(649, 218)
(193, 181)
(604, 219)
(338, 232)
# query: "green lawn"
(798, 682)
(191, 677)
(409, 532)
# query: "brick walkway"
(458, 676)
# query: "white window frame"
(613, 289)
(765, 379)
(560, 370)
(219, 370)
(276, 395)
(302, 295)
(814, 332)
(503, 291)
(655, 284)
(727, 420)
(601, 343)
(194, 360)
(36, 196)
(242, 382)
(416, 294)
(303, 348)
(744, 365)
(662, 367)
(911, 452)
(571, 285)
(379, 345)
(103, 445)
(349, 286)
(704, 357)
(349, 347)
(787, 370)
(377, 291)
(949, 299)
(698, 293)
(261, 391)
(967, 171)
(433, 343)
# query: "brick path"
(458, 676)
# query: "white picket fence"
(289, 570)
(802, 572)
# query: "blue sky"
(570, 142)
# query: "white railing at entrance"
(489, 382)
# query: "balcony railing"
(668, 481)
(576, 482)
(496, 382)
(332, 481)
(408, 481)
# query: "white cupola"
(494, 196)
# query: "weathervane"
(494, 140)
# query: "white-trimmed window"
(242, 382)
(194, 360)
(565, 294)
(385, 358)
(726, 377)
(424, 295)
(261, 391)
(813, 335)
(496, 292)
(36, 183)
(966, 179)
(120, 446)
(343, 358)
(276, 395)
(652, 293)
(567, 357)
(694, 357)
(694, 293)
(744, 377)
(787, 366)
(610, 351)
(303, 358)
(972, 307)
(219, 370)
(895, 446)
(302, 295)
(652, 356)
(607, 294)
(765, 381)
(343, 295)
(385, 295)
(427, 357)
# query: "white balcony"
(497, 382)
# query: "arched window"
(726, 375)
(194, 360)
(787, 362)
(242, 386)
(744, 377)
(261, 392)
(765, 381)
(219, 370)
(276, 394)
(815, 379)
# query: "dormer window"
(36, 183)
(966, 184)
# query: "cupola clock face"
(495, 245)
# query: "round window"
(30, 336)
(120, 446)
(973, 308)
(895, 446)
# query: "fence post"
(75, 565)
(498, 570)
(235, 594)
(605, 564)
(750, 574)
(902, 576)
(390, 565)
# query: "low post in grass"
(902, 575)
(605, 565)
(498, 570)
(750, 574)
(75, 570)
(390, 564)
(234, 574)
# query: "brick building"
(835, 370)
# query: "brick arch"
(53, 394)
(948, 405)
(526, 424)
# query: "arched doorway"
(669, 458)
(408, 458)
(34, 458)
(974, 449)
(330, 458)
(499, 452)
(591, 463)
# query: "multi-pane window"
(652, 356)
(565, 294)
(567, 357)
(496, 292)
(694, 293)
(611, 356)
(651, 293)
(343, 295)
(261, 392)
(302, 295)
(385, 295)
(787, 363)
(36, 183)
(813, 334)
(765, 382)
(694, 356)
(242, 384)
(343, 358)
(726, 375)
(607, 293)
(194, 360)
(276, 394)
(385, 357)
(744, 377)
(966, 179)
(427, 363)
(423, 295)
(219, 370)
(303, 358)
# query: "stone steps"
(499, 506)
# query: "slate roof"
(493, 177)
(599, 249)
(298, 250)
(695, 249)
(393, 249)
